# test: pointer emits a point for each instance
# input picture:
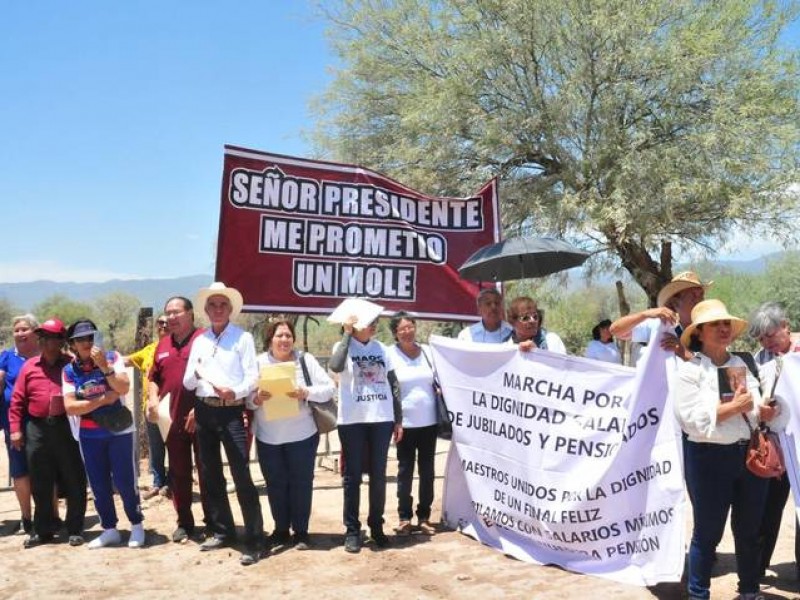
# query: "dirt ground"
(448, 565)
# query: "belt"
(49, 420)
(219, 402)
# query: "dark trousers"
(417, 446)
(158, 454)
(225, 425)
(771, 522)
(289, 474)
(53, 456)
(180, 447)
(353, 438)
(719, 482)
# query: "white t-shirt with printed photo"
(365, 395)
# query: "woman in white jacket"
(715, 420)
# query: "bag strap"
(430, 364)
(306, 375)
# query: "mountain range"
(153, 292)
(150, 292)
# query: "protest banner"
(564, 460)
(299, 235)
(787, 391)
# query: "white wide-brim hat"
(220, 289)
(709, 311)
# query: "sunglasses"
(83, 338)
(527, 318)
(161, 323)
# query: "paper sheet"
(365, 310)
(279, 379)
(164, 420)
(210, 371)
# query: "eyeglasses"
(161, 323)
(528, 318)
(83, 338)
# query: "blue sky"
(114, 116)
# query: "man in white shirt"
(675, 303)
(222, 370)
(491, 329)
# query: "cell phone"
(98, 340)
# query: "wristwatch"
(108, 373)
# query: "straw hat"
(681, 281)
(220, 289)
(709, 311)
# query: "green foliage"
(7, 312)
(63, 308)
(116, 317)
(629, 126)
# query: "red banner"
(299, 235)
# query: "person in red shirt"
(166, 377)
(52, 452)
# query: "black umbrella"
(520, 258)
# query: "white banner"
(788, 389)
(564, 460)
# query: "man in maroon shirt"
(37, 406)
(166, 377)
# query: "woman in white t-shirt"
(287, 448)
(412, 365)
(603, 347)
(369, 414)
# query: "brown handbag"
(764, 454)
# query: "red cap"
(54, 326)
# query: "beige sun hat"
(681, 281)
(709, 311)
(220, 289)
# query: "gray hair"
(766, 318)
(485, 292)
(28, 318)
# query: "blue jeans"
(288, 471)
(354, 439)
(224, 426)
(417, 446)
(718, 481)
(158, 454)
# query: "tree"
(638, 128)
(61, 307)
(116, 317)
(7, 312)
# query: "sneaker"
(404, 528)
(37, 540)
(380, 538)
(280, 537)
(109, 537)
(752, 596)
(165, 492)
(426, 528)
(212, 543)
(25, 526)
(151, 493)
(137, 536)
(301, 541)
(180, 535)
(76, 540)
(352, 543)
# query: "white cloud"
(33, 270)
